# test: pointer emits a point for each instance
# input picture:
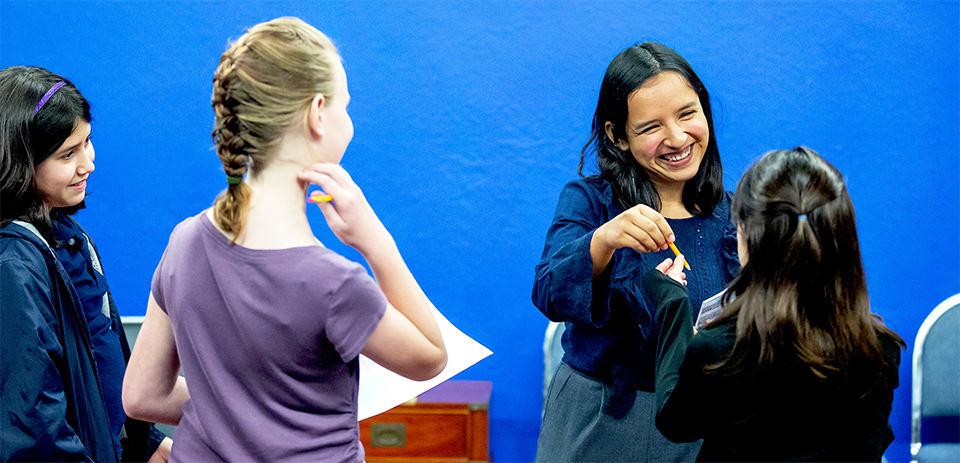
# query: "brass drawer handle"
(388, 435)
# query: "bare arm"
(153, 389)
(407, 340)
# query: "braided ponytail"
(228, 136)
(262, 86)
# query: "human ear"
(315, 117)
(608, 128)
(742, 245)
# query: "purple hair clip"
(46, 96)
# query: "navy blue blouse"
(91, 285)
(610, 332)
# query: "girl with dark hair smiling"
(64, 352)
(659, 183)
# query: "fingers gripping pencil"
(676, 251)
(318, 197)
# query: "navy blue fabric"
(610, 329)
(51, 406)
(91, 285)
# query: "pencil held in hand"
(676, 251)
(318, 197)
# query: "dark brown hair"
(801, 299)
(30, 136)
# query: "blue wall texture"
(470, 117)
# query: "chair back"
(936, 368)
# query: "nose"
(674, 136)
(86, 161)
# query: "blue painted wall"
(470, 117)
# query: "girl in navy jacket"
(64, 352)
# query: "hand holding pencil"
(349, 216)
(676, 252)
(640, 228)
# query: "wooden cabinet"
(447, 424)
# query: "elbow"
(144, 407)
(430, 365)
(667, 431)
(141, 402)
(674, 433)
(134, 402)
(144, 403)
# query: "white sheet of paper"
(382, 389)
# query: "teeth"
(678, 157)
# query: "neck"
(671, 201)
(276, 214)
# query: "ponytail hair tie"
(801, 216)
(46, 96)
(234, 180)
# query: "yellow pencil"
(676, 251)
(318, 197)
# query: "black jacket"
(51, 406)
(773, 414)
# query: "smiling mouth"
(678, 156)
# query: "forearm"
(402, 290)
(675, 406)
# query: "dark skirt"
(575, 429)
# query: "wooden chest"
(447, 424)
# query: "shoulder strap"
(105, 308)
(29, 226)
(95, 260)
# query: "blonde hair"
(263, 85)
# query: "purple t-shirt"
(268, 341)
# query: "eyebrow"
(63, 150)
(68, 149)
(642, 125)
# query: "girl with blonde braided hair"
(266, 323)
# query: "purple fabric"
(268, 341)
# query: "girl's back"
(782, 414)
(269, 342)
